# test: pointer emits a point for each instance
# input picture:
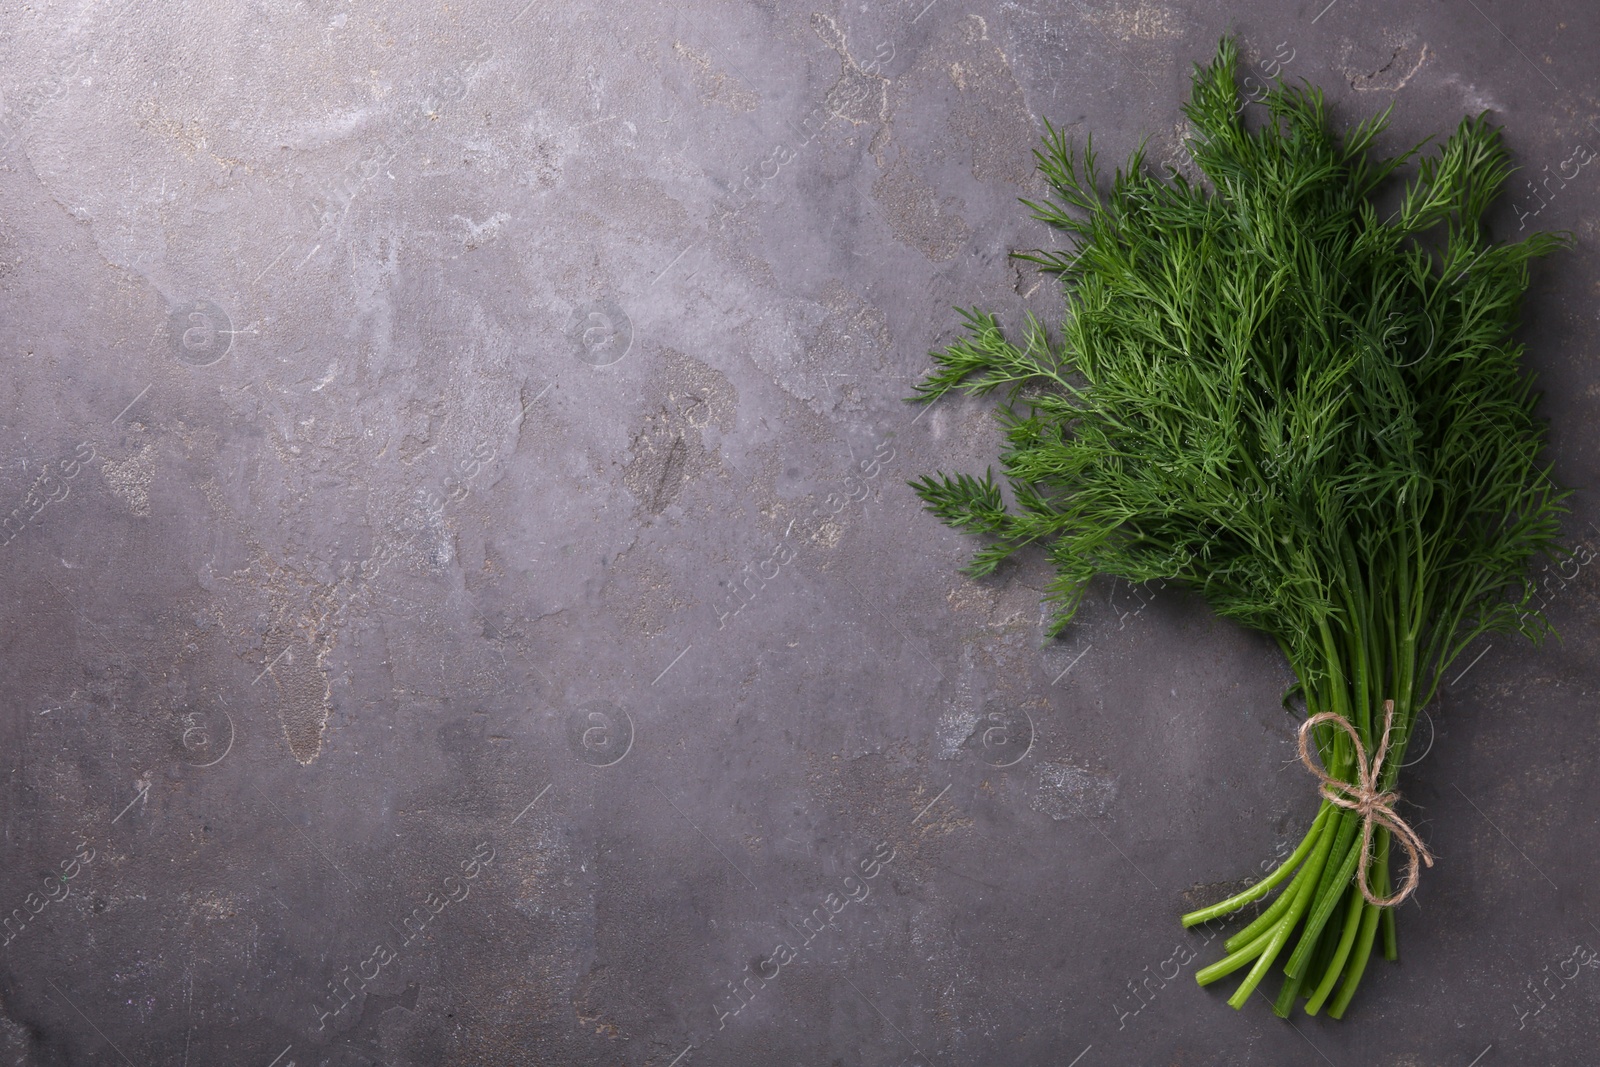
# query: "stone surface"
(464, 605)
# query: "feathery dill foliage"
(1309, 414)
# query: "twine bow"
(1364, 798)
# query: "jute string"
(1364, 798)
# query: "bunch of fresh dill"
(1308, 412)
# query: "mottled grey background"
(456, 457)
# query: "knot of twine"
(1365, 799)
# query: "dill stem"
(1286, 924)
(1358, 960)
(1287, 995)
(1334, 881)
(1234, 960)
(1261, 888)
(1276, 909)
(1361, 629)
(1369, 927)
(1391, 946)
(1352, 924)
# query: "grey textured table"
(464, 606)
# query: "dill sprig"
(1310, 414)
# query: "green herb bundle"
(1307, 409)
